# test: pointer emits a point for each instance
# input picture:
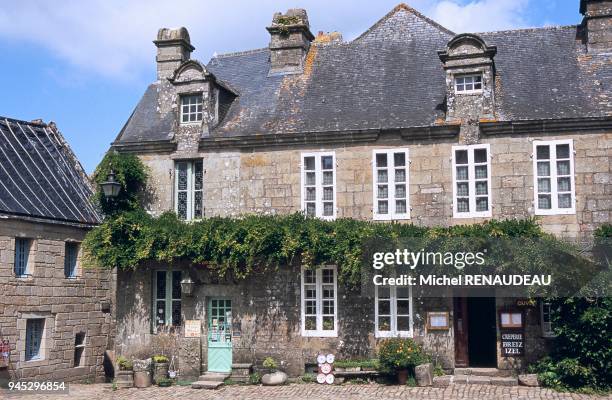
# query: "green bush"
(254, 378)
(370, 364)
(398, 354)
(160, 359)
(270, 364)
(124, 364)
(308, 378)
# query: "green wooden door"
(219, 335)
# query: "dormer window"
(468, 83)
(191, 109)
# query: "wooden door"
(460, 322)
(220, 335)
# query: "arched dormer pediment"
(467, 45)
(190, 71)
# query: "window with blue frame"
(22, 257)
(34, 337)
(70, 260)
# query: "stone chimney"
(173, 48)
(290, 39)
(597, 24)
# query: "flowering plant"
(399, 354)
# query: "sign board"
(438, 320)
(526, 302)
(512, 343)
(193, 328)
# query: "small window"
(191, 109)
(167, 299)
(79, 349)
(22, 257)
(319, 185)
(189, 179)
(390, 178)
(34, 337)
(468, 84)
(546, 319)
(511, 320)
(471, 181)
(393, 309)
(71, 252)
(319, 302)
(553, 170)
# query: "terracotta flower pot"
(402, 376)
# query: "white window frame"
(74, 269)
(191, 191)
(318, 183)
(554, 193)
(168, 299)
(547, 329)
(473, 83)
(472, 182)
(40, 354)
(393, 332)
(188, 113)
(27, 271)
(319, 332)
(391, 200)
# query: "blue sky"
(85, 63)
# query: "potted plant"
(274, 377)
(399, 357)
(124, 377)
(164, 382)
(160, 367)
(142, 373)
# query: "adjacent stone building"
(407, 122)
(55, 321)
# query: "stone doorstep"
(484, 372)
(214, 377)
(206, 385)
(444, 381)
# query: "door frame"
(461, 332)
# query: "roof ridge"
(405, 7)
(40, 123)
(239, 53)
(537, 28)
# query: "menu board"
(193, 328)
(513, 343)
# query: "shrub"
(398, 354)
(270, 364)
(160, 359)
(254, 378)
(373, 364)
(308, 378)
(124, 364)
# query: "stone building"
(55, 320)
(407, 122)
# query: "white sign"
(193, 328)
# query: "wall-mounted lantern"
(111, 187)
(187, 286)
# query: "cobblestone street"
(311, 392)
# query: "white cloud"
(113, 38)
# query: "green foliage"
(308, 378)
(164, 382)
(604, 231)
(270, 364)
(357, 381)
(124, 363)
(130, 172)
(582, 355)
(369, 364)
(438, 370)
(397, 354)
(160, 359)
(254, 378)
(411, 381)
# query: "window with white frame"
(553, 170)
(319, 302)
(191, 109)
(471, 181)
(188, 188)
(319, 185)
(546, 320)
(393, 310)
(71, 252)
(468, 83)
(35, 328)
(390, 172)
(167, 298)
(22, 266)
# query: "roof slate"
(40, 176)
(391, 77)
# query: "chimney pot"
(173, 48)
(290, 39)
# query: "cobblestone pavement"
(310, 392)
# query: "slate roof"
(391, 77)
(40, 176)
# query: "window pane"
(328, 307)
(384, 307)
(311, 307)
(384, 324)
(463, 189)
(182, 205)
(480, 155)
(309, 163)
(310, 178)
(564, 184)
(383, 192)
(383, 207)
(176, 284)
(403, 307)
(402, 292)
(403, 324)
(482, 203)
(176, 313)
(311, 209)
(481, 171)
(382, 176)
(309, 276)
(34, 333)
(197, 205)
(161, 285)
(328, 209)
(311, 194)
(328, 290)
(327, 275)
(160, 312)
(563, 167)
(461, 157)
(462, 173)
(182, 176)
(463, 205)
(328, 193)
(563, 151)
(328, 323)
(384, 292)
(481, 187)
(400, 175)
(310, 292)
(565, 200)
(327, 162)
(544, 202)
(311, 323)
(198, 174)
(543, 152)
(543, 169)
(544, 185)
(381, 160)
(70, 260)
(399, 159)
(400, 206)
(328, 178)
(400, 191)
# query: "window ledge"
(560, 211)
(378, 217)
(472, 215)
(322, 334)
(403, 334)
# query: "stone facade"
(69, 306)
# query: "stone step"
(206, 384)
(214, 377)
(483, 380)
(483, 372)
